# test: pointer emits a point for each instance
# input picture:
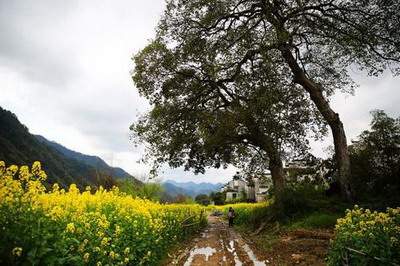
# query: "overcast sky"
(64, 71)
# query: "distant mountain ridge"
(62, 165)
(190, 188)
(90, 160)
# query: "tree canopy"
(375, 157)
(196, 124)
(284, 45)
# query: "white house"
(235, 189)
(252, 190)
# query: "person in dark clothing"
(231, 216)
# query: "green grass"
(315, 220)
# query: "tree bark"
(275, 161)
(279, 182)
(331, 117)
(278, 176)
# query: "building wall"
(256, 192)
(260, 197)
(231, 195)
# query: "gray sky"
(64, 71)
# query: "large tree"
(198, 122)
(310, 43)
(376, 158)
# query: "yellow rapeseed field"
(58, 227)
(245, 213)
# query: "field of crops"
(58, 227)
(244, 212)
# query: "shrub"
(302, 199)
(363, 237)
(57, 227)
(316, 220)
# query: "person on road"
(231, 216)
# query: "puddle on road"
(207, 252)
(252, 256)
(235, 255)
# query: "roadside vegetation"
(70, 227)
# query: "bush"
(316, 220)
(303, 199)
(57, 227)
(362, 235)
(299, 199)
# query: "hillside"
(64, 166)
(89, 160)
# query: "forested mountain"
(64, 166)
(190, 188)
(90, 160)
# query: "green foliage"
(202, 199)
(232, 67)
(375, 159)
(317, 219)
(150, 191)
(239, 199)
(128, 186)
(247, 213)
(299, 199)
(307, 203)
(180, 199)
(218, 198)
(363, 237)
(206, 111)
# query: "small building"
(252, 190)
(231, 195)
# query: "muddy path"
(218, 244)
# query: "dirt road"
(218, 245)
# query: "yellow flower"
(2, 167)
(117, 230)
(70, 228)
(17, 251)
(104, 241)
(86, 257)
(110, 213)
(127, 250)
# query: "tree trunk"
(278, 177)
(331, 117)
(275, 161)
